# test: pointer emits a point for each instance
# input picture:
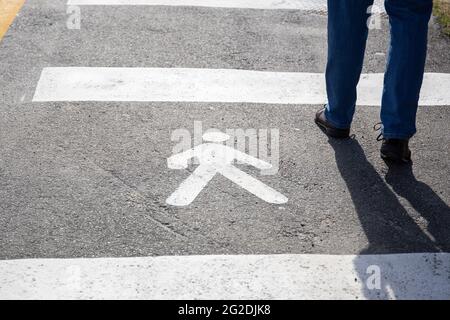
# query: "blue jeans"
(347, 37)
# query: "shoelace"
(378, 127)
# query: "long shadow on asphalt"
(389, 227)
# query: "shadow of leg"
(386, 223)
(425, 201)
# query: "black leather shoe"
(331, 131)
(396, 150)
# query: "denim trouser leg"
(347, 37)
(406, 62)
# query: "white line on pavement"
(212, 85)
(319, 5)
(399, 276)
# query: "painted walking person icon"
(214, 158)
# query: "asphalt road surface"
(84, 178)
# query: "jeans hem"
(334, 123)
(389, 135)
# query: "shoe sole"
(332, 132)
(395, 158)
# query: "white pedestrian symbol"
(214, 157)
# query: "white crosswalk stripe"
(307, 5)
(212, 85)
(402, 276)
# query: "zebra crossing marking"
(306, 5)
(290, 276)
(212, 85)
